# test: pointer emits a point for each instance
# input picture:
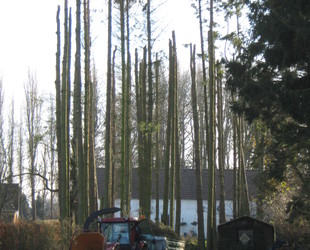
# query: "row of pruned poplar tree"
(157, 145)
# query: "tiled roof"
(188, 183)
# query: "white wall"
(188, 213)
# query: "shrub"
(30, 235)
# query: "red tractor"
(109, 233)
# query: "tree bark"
(77, 126)
(201, 237)
(221, 160)
(211, 227)
(123, 115)
(177, 141)
(87, 114)
(58, 114)
(113, 131)
(165, 219)
(149, 157)
(157, 142)
(172, 146)
(128, 164)
(108, 170)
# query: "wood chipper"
(109, 233)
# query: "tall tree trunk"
(221, 160)
(68, 108)
(244, 195)
(64, 178)
(128, 164)
(77, 126)
(52, 140)
(260, 138)
(235, 171)
(204, 78)
(138, 87)
(165, 219)
(123, 115)
(148, 156)
(201, 236)
(211, 227)
(172, 146)
(87, 114)
(157, 142)
(143, 134)
(93, 194)
(58, 114)
(177, 150)
(108, 170)
(113, 131)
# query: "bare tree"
(34, 136)
(11, 144)
(3, 166)
(20, 162)
(201, 237)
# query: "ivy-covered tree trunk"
(52, 140)
(177, 149)
(138, 88)
(211, 227)
(142, 132)
(113, 131)
(201, 236)
(165, 218)
(93, 188)
(172, 146)
(128, 165)
(58, 112)
(221, 159)
(77, 117)
(68, 110)
(149, 121)
(107, 198)
(235, 170)
(123, 114)
(87, 103)
(204, 79)
(64, 121)
(157, 142)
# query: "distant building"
(188, 195)
(9, 196)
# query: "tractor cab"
(122, 233)
(109, 233)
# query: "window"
(116, 232)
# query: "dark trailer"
(245, 233)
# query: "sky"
(28, 40)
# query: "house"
(188, 195)
(9, 196)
